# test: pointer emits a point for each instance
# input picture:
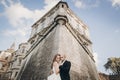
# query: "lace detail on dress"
(54, 76)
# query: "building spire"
(12, 46)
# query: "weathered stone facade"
(11, 61)
(59, 31)
(18, 60)
(5, 58)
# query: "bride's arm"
(56, 66)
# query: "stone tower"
(59, 31)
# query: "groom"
(64, 68)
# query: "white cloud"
(48, 2)
(0, 14)
(3, 2)
(86, 3)
(115, 3)
(117, 31)
(79, 4)
(21, 18)
(17, 13)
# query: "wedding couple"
(60, 68)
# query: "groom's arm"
(65, 67)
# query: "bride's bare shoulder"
(55, 63)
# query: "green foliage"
(113, 64)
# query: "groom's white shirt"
(63, 62)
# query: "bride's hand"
(51, 72)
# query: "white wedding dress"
(54, 76)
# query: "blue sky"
(101, 16)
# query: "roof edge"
(50, 10)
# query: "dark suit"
(64, 70)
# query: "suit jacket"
(64, 70)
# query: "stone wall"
(59, 40)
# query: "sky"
(101, 16)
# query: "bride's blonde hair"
(54, 59)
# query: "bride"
(55, 68)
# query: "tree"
(113, 64)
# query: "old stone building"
(59, 31)
(5, 58)
(18, 60)
(11, 61)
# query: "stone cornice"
(50, 11)
(61, 17)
